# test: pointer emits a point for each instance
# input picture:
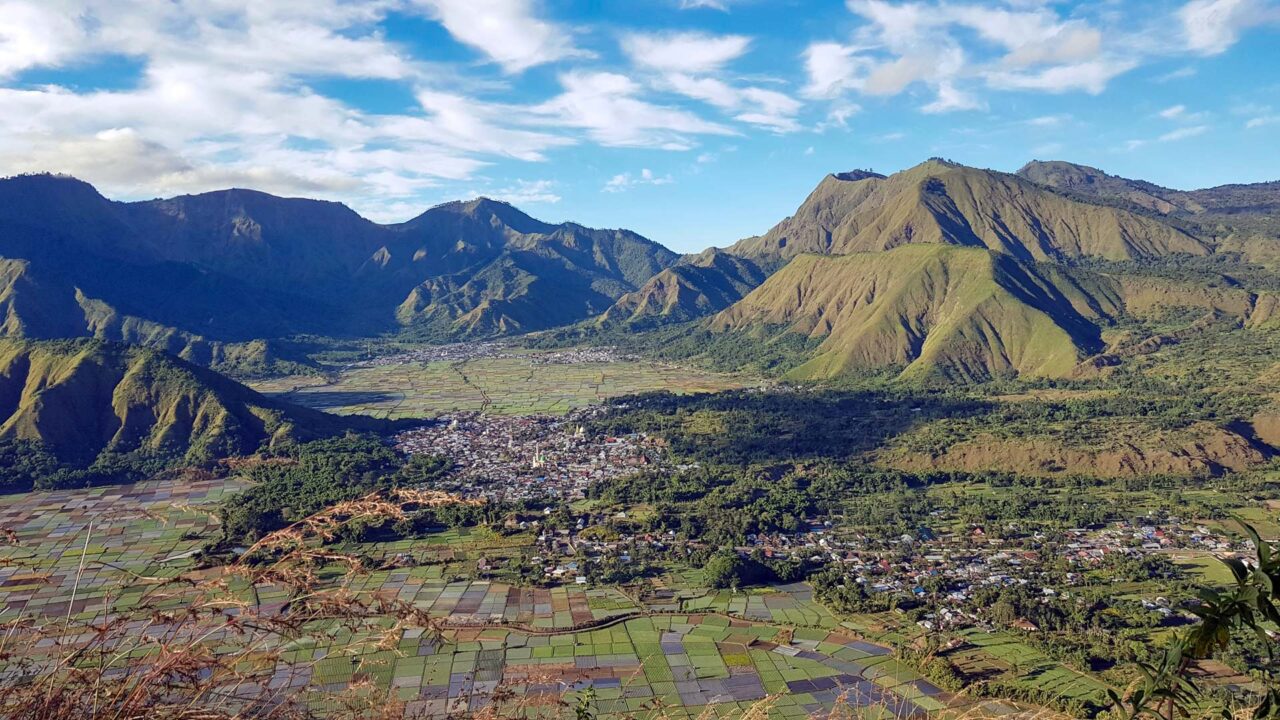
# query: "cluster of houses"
(455, 352)
(529, 457)
(459, 352)
(953, 564)
(582, 356)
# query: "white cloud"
(684, 52)
(832, 69)
(606, 106)
(1048, 120)
(528, 192)
(1179, 113)
(625, 181)
(954, 48)
(1183, 133)
(1261, 121)
(721, 5)
(1179, 74)
(1091, 77)
(508, 31)
(950, 99)
(1211, 26)
(689, 64)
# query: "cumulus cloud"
(625, 181)
(954, 49)
(508, 31)
(1211, 26)
(686, 52)
(692, 64)
(608, 107)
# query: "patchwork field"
(106, 555)
(506, 385)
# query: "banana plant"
(1166, 690)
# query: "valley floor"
(515, 383)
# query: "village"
(919, 563)
(467, 351)
(529, 457)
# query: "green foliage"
(1167, 688)
(309, 477)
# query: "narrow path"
(486, 400)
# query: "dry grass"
(164, 658)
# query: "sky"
(692, 122)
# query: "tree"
(1166, 689)
(724, 569)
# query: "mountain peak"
(856, 175)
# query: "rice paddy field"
(503, 385)
(90, 555)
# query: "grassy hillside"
(938, 202)
(965, 313)
(109, 408)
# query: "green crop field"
(511, 386)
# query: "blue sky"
(694, 122)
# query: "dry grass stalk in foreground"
(159, 659)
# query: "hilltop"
(696, 286)
(939, 202)
(88, 411)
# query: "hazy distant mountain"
(238, 265)
(85, 401)
(938, 202)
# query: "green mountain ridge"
(938, 202)
(88, 403)
(965, 314)
(695, 287)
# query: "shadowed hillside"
(237, 265)
(98, 405)
(695, 287)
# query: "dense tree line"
(309, 477)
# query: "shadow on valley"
(328, 400)
(750, 426)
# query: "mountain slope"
(511, 273)
(238, 265)
(87, 402)
(1250, 208)
(694, 287)
(939, 202)
(964, 313)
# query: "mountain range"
(197, 275)
(940, 269)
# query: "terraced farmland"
(98, 554)
(506, 385)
